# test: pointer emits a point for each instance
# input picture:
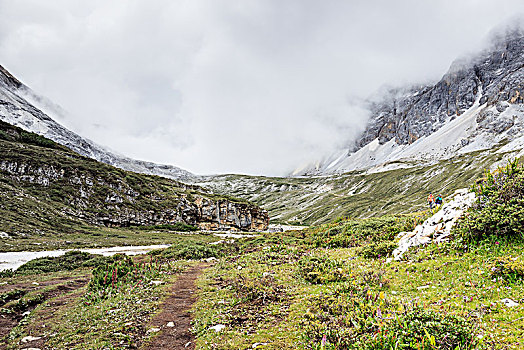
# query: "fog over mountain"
(255, 87)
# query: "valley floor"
(295, 290)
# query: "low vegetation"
(499, 210)
(326, 287)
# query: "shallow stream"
(13, 260)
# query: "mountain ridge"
(404, 116)
(15, 109)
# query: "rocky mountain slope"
(18, 107)
(477, 104)
(45, 187)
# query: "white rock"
(509, 303)
(218, 328)
(187, 344)
(210, 259)
(170, 324)
(29, 338)
(26, 313)
(256, 345)
(439, 225)
(153, 330)
(424, 240)
(4, 235)
(157, 283)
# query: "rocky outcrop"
(405, 115)
(204, 213)
(99, 194)
(438, 227)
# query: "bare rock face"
(405, 115)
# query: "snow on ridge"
(459, 135)
(23, 108)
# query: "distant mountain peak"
(477, 104)
(8, 79)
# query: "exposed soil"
(29, 286)
(9, 320)
(176, 309)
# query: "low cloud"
(245, 86)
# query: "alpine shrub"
(508, 269)
(319, 268)
(377, 250)
(499, 208)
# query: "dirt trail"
(9, 320)
(176, 309)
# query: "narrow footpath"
(174, 319)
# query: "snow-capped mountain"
(18, 106)
(477, 104)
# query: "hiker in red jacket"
(431, 201)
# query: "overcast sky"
(236, 86)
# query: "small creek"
(13, 260)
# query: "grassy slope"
(450, 283)
(321, 199)
(32, 210)
(262, 296)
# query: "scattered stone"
(210, 259)
(153, 330)
(218, 328)
(170, 324)
(4, 235)
(26, 313)
(35, 284)
(509, 303)
(29, 338)
(31, 349)
(424, 287)
(256, 345)
(239, 267)
(187, 344)
(157, 283)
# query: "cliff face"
(88, 191)
(477, 104)
(497, 75)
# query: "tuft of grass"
(71, 260)
(378, 250)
